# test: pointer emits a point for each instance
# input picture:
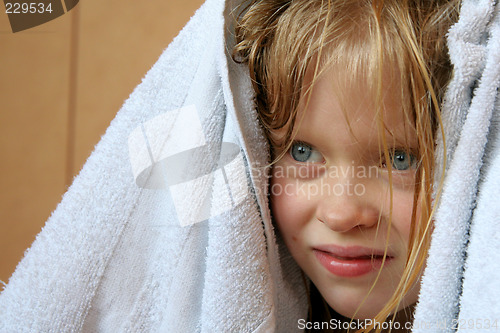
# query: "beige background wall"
(61, 84)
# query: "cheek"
(290, 207)
(402, 212)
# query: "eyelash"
(297, 146)
(312, 152)
(411, 164)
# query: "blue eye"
(302, 152)
(403, 160)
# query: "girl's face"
(331, 195)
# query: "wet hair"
(282, 40)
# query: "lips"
(350, 261)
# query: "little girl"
(349, 93)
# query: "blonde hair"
(280, 40)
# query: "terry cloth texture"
(458, 286)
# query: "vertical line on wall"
(64, 6)
(72, 94)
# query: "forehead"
(339, 102)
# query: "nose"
(344, 210)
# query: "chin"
(348, 310)
(351, 303)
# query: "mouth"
(351, 261)
(367, 257)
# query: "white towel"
(167, 226)
(466, 221)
